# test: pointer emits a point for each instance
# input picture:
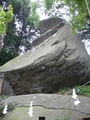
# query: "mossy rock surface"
(21, 113)
(50, 106)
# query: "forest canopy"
(79, 11)
(24, 26)
(5, 17)
(21, 30)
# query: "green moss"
(20, 113)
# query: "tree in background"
(24, 26)
(21, 30)
(79, 12)
(5, 17)
(78, 9)
(76, 12)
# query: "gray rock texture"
(50, 106)
(58, 60)
(49, 23)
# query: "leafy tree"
(49, 3)
(21, 30)
(78, 11)
(53, 8)
(5, 17)
(79, 16)
(24, 26)
(7, 55)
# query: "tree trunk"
(1, 41)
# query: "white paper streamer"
(76, 102)
(74, 96)
(5, 109)
(31, 109)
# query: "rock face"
(48, 106)
(58, 59)
(49, 23)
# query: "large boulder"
(47, 107)
(49, 23)
(58, 60)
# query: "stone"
(49, 106)
(58, 60)
(7, 88)
(48, 24)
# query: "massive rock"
(57, 60)
(50, 23)
(47, 107)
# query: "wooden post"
(1, 82)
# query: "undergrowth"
(85, 90)
(5, 96)
(10, 107)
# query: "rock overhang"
(31, 56)
(57, 61)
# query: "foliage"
(10, 107)
(64, 90)
(49, 3)
(21, 30)
(78, 11)
(25, 24)
(4, 96)
(5, 17)
(85, 32)
(6, 55)
(23, 27)
(34, 17)
(85, 90)
(53, 8)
